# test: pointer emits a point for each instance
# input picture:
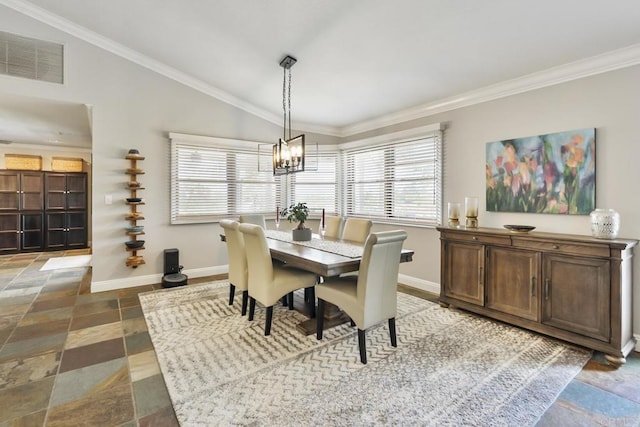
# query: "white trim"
(215, 141)
(154, 279)
(609, 61)
(389, 138)
(637, 337)
(421, 284)
(118, 49)
(50, 147)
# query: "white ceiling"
(359, 61)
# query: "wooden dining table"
(324, 264)
(321, 262)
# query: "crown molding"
(609, 61)
(118, 49)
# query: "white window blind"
(395, 182)
(318, 188)
(210, 182)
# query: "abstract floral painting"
(553, 173)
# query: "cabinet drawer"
(562, 247)
(476, 237)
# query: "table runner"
(334, 247)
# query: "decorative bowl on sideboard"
(519, 228)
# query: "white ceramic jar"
(605, 223)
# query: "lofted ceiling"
(361, 63)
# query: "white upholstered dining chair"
(254, 219)
(237, 261)
(332, 226)
(370, 297)
(356, 229)
(268, 281)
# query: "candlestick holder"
(471, 212)
(453, 211)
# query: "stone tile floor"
(69, 358)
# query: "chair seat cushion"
(342, 291)
(285, 280)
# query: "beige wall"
(136, 108)
(609, 102)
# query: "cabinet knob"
(555, 247)
(475, 238)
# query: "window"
(318, 187)
(213, 178)
(391, 178)
(396, 181)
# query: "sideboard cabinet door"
(577, 295)
(464, 277)
(513, 282)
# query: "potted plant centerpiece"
(298, 212)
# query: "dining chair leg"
(363, 346)
(311, 301)
(290, 297)
(245, 298)
(267, 322)
(284, 301)
(392, 331)
(319, 319)
(252, 307)
(232, 292)
(351, 322)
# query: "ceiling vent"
(31, 58)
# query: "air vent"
(31, 58)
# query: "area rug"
(67, 262)
(450, 367)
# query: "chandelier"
(288, 153)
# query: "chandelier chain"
(289, 95)
(284, 104)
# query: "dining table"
(324, 256)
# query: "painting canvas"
(553, 173)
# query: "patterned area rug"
(450, 367)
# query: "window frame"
(285, 185)
(385, 144)
(230, 149)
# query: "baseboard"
(152, 279)
(421, 284)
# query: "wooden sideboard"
(571, 287)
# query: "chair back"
(332, 226)
(260, 266)
(356, 229)
(236, 253)
(254, 219)
(378, 276)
